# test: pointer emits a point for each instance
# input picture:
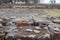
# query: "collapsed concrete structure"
(25, 24)
(29, 28)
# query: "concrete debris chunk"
(36, 31)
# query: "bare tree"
(33, 1)
(52, 3)
(37, 1)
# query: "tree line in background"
(26, 1)
(51, 5)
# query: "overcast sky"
(47, 1)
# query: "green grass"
(52, 12)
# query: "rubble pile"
(29, 28)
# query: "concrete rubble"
(29, 28)
(35, 29)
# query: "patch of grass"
(52, 12)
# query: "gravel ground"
(20, 11)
